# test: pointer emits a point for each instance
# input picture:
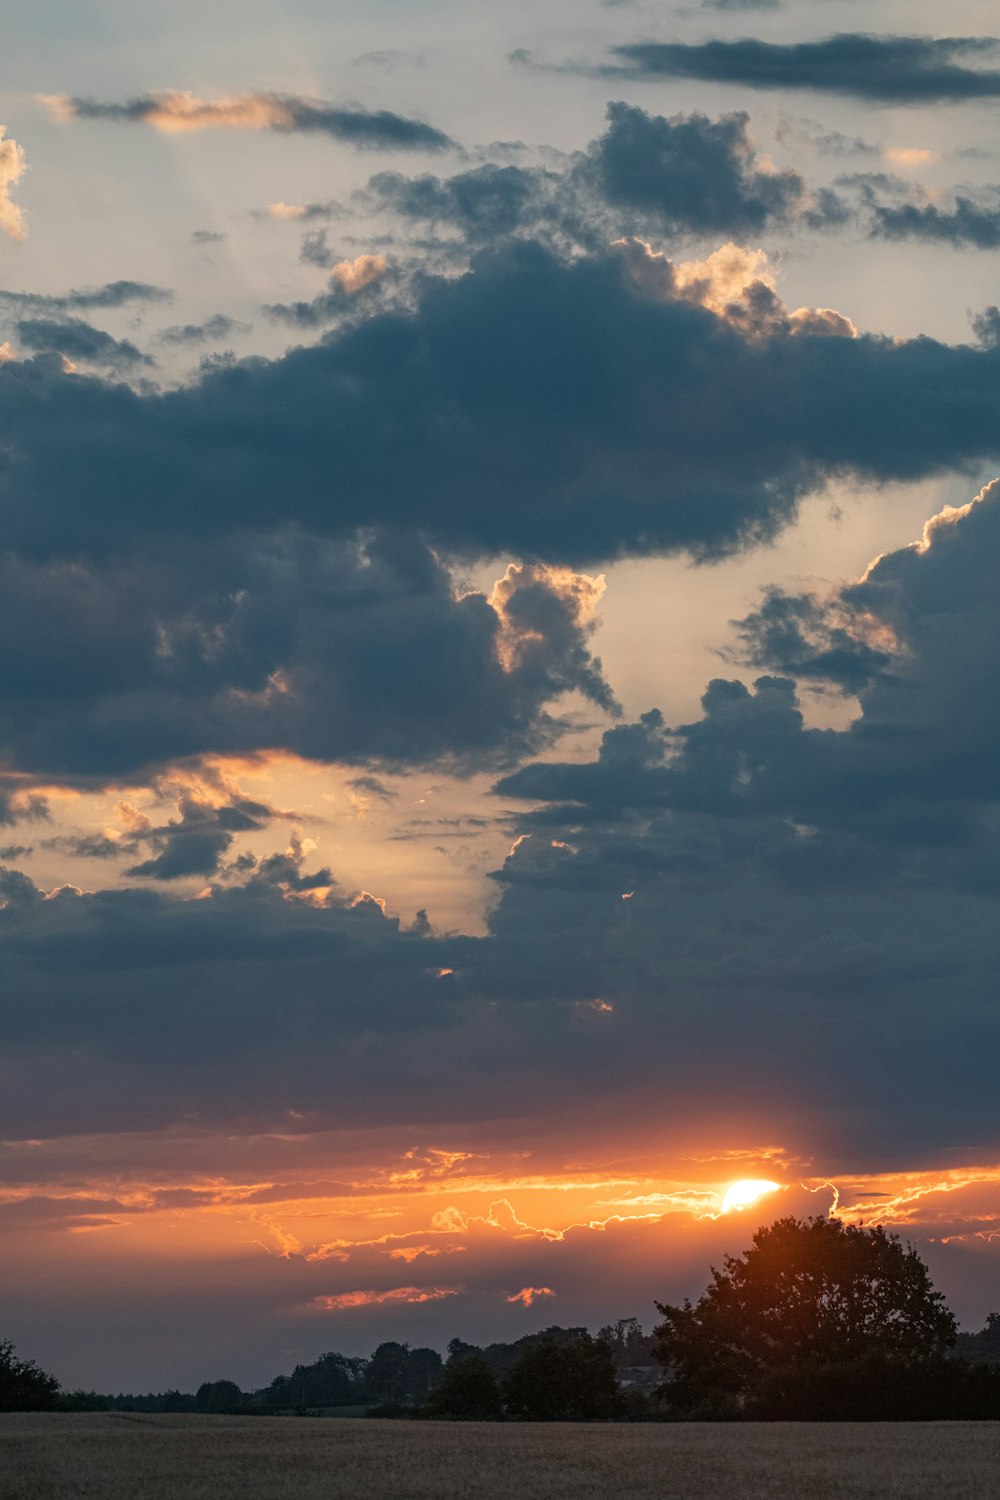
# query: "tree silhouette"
(23, 1386)
(571, 1380)
(468, 1391)
(807, 1295)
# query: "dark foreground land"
(131, 1457)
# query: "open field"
(133, 1457)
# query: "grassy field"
(131, 1457)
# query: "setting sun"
(746, 1192)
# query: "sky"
(500, 662)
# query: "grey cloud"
(208, 236)
(574, 410)
(356, 651)
(683, 175)
(799, 922)
(986, 326)
(113, 294)
(378, 130)
(740, 5)
(795, 634)
(315, 249)
(79, 340)
(881, 69)
(966, 225)
(195, 843)
(219, 326)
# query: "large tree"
(807, 1294)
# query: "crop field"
(131, 1457)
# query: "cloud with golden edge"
(370, 1298)
(12, 169)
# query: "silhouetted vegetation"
(23, 1385)
(983, 1346)
(819, 1320)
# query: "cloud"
(573, 410)
(882, 69)
(415, 1294)
(12, 169)
(219, 326)
(686, 174)
(78, 340)
(208, 236)
(528, 1295)
(968, 225)
(176, 111)
(195, 843)
(359, 651)
(112, 295)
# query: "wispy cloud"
(369, 1298)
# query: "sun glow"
(745, 1193)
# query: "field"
(131, 1457)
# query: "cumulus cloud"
(568, 409)
(686, 174)
(175, 111)
(12, 169)
(882, 69)
(359, 651)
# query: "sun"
(744, 1194)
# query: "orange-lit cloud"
(12, 168)
(367, 1298)
(529, 1294)
(353, 276)
(174, 110)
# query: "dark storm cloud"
(881, 69)
(576, 410)
(79, 340)
(372, 130)
(799, 922)
(357, 651)
(219, 326)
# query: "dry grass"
(131, 1457)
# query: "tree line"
(817, 1320)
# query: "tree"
(468, 1391)
(23, 1386)
(556, 1381)
(984, 1346)
(806, 1295)
(218, 1396)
